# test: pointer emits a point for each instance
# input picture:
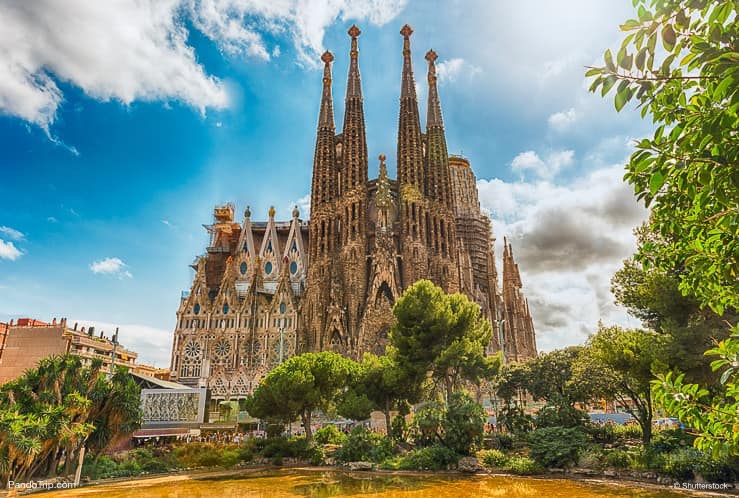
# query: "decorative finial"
(296, 212)
(382, 158)
(354, 31)
(247, 212)
(271, 211)
(327, 57)
(406, 31)
(431, 56)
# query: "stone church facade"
(265, 291)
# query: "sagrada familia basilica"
(267, 290)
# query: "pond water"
(324, 484)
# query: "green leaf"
(640, 58)
(622, 98)
(668, 37)
(609, 61)
(608, 83)
(656, 182)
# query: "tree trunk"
(386, 411)
(306, 424)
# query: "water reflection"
(325, 484)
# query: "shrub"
(502, 441)
(464, 423)
(523, 466)
(617, 459)
(427, 423)
(591, 458)
(668, 440)
(102, 468)
(435, 457)
(556, 446)
(679, 464)
(723, 470)
(398, 428)
(492, 458)
(329, 435)
(364, 445)
(560, 416)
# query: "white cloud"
(51, 219)
(450, 70)
(303, 205)
(562, 120)
(111, 266)
(9, 251)
(153, 345)
(530, 161)
(568, 240)
(12, 233)
(129, 50)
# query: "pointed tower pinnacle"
(354, 146)
(410, 147)
(438, 174)
(433, 118)
(326, 117)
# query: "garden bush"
(364, 445)
(680, 463)
(617, 459)
(435, 457)
(556, 446)
(501, 441)
(492, 458)
(329, 435)
(591, 458)
(723, 470)
(463, 423)
(523, 466)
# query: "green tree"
(689, 172)
(441, 334)
(623, 362)
(300, 385)
(464, 423)
(56, 408)
(379, 384)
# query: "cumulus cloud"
(568, 240)
(153, 345)
(561, 120)
(449, 71)
(530, 161)
(111, 266)
(9, 251)
(304, 205)
(129, 50)
(12, 233)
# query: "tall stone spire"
(438, 181)
(323, 189)
(354, 143)
(410, 147)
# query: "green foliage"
(562, 416)
(613, 433)
(427, 424)
(299, 386)
(436, 457)
(556, 446)
(364, 445)
(60, 406)
(502, 441)
(398, 428)
(329, 434)
(513, 418)
(523, 466)
(688, 172)
(591, 458)
(492, 458)
(668, 440)
(721, 470)
(714, 417)
(680, 464)
(442, 334)
(207, 455)
(617, 459)
(463, 424)
(623, 360)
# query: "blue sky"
(121, 131)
